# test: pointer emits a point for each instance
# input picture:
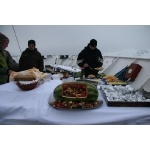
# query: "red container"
(132, 71)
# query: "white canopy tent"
(71, 39)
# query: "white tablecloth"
(31, 107)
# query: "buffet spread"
(51, 100)
(83, 93)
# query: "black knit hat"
(31, 42)
(93, 42)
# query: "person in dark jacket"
(7, 63)
(90, 58)
(31, 57)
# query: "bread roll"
(27, 75)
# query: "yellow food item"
(111, 78)
(91, 76)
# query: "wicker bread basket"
(27, 87)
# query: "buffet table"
(19, 107)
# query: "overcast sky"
(71, 39)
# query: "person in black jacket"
(31, 57)
(90, 58)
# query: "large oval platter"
(75, 106)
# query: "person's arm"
(12, 64)
(10, 57)
(100, 60)
(3, 71)
(80, 59)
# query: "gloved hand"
(86, 65)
